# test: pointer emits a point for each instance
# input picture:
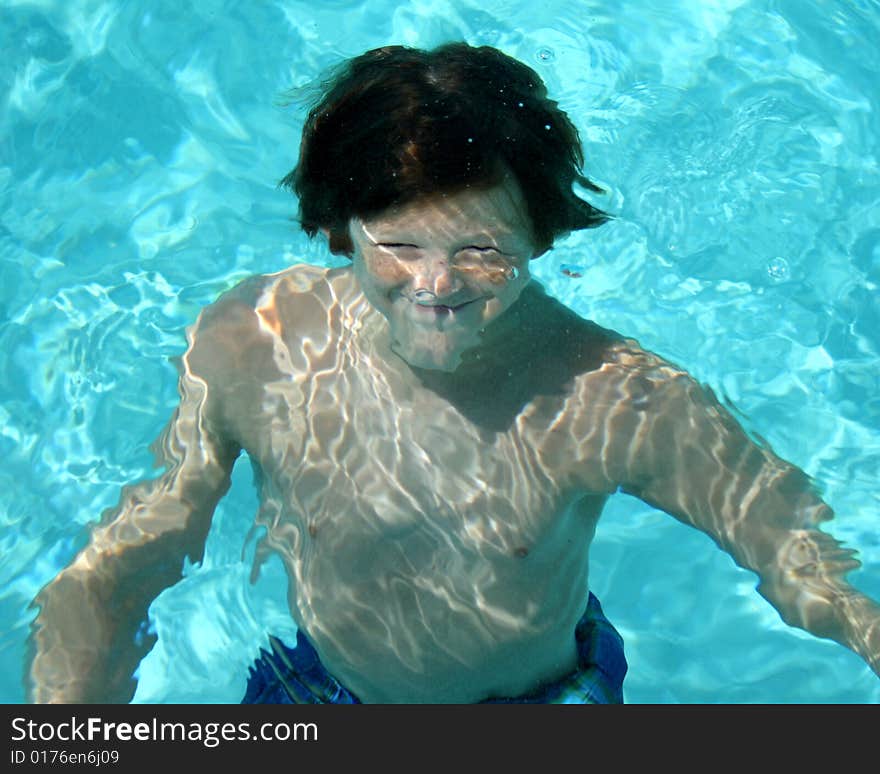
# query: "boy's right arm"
(85, 641)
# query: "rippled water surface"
(140, 146)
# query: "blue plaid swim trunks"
(296, 676)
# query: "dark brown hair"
(397, 123)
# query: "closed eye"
(395, 244)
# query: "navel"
(521, 553)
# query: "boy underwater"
(435, 436)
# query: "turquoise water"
(140, 144)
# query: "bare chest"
(357, 453)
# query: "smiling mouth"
(438, 309)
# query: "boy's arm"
(689, 457)
(85, 641)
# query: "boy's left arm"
(690, 458)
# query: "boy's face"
(442, 268)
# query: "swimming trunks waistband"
(296, 675)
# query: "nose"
(434, 274)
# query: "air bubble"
(546, 54)
(778, 269)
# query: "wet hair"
(397, 123)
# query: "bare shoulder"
(600, 362)
(236, 339)
(304, 280)
(627, 406)
(626, 357)
(304, 299)
(258, 333)
(260, 305)
(640, 374)
(658, 386)
(657, 396)
(242, 304)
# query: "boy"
(435, 436)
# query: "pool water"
(140, 147)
